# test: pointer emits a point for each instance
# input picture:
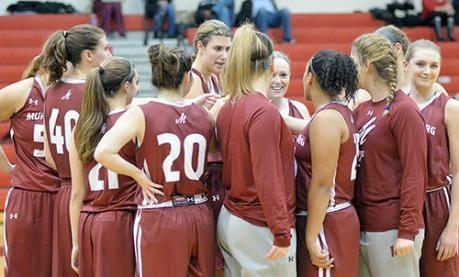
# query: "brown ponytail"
(103, 82)
(65, 46)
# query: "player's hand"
(206, 100)
(75, 261)
(276, 252)
(403, 247)
(149, 188)
(447, 244)
(319, 257)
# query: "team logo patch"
(181, 119)
(67, 95)
(33, 101)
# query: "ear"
(200, 46)
(309, 78)
(87, 55)
(398, 49)
(367, 67)
(405, 65)
(126, 86)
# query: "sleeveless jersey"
(293, 110)
(438, 158)
(106, 190)
(31, 171)
(62, 110)
(175, 145)
(212, 86)
(345, 172)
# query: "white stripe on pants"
(245, 245)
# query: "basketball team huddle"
(221, 174)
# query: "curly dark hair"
(335, 73)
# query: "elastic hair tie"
(66, 34)
(101, 70)
(386, 107)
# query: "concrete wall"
(295, 6)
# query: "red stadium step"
(307, 103)
(134, 22)
(8, 148)
(5, 179)
(18, 55)
(42, 21)
(423, 33)
(11, 38)
(5, 182)
(11, 73)
(295, 88)
(4, 130)
(449, 66)
(450, 83)
(312, 34)
(337, 20)
(3, 195)
(304, 51)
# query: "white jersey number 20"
(188, 144)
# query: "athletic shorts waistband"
(335, 208)
(177, 201)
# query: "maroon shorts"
(28, 232)
(62, 237)
(436, 213)
(178, 241)
(106, 244)
(216, 197)
(341, 235)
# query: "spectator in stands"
(222, 10)
(436, 12)
(108, 10)
(165, 11)
(265, 14)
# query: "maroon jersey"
(438, 159)
(258, 172)
(208, 87)
(108, 191)
(212, 88)
(392, 172)
(62, 110)
(345, 174)
(293, 110)
(174, 147)
(31, 171)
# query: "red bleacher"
(21, 37)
